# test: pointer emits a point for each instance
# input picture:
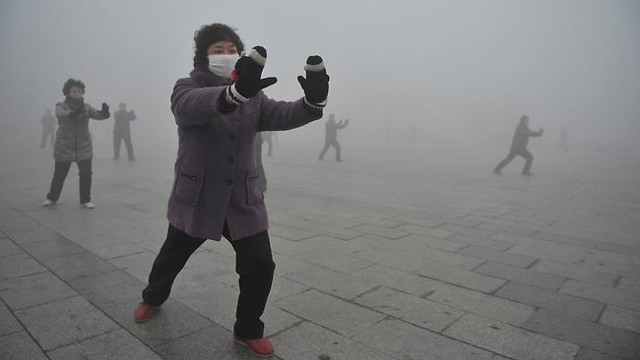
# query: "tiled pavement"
(392, 254)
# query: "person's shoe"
(88, 205)
(144, 312)
(48, 203)
(261, 347)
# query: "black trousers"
(512, 154)
(327, 145)
(117, 140)
(254, 265)
(47, 134)
(60, 174)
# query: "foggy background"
(456, 74)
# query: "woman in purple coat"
(219, 109)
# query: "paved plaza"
(393, 254)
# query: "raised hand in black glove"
(105, 110)
(316, 85)
(76, 113)
(248, 73)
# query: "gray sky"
(451, 69)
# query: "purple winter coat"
(215, 171)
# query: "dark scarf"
(205, 78)
(74, 103)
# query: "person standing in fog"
(48, 128)
(261, 174)
(219, 109)
(122, 131)
(564, 140)
(331, 136)
(267, 137)
(73, 141)
(519, 146)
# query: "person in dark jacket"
(331, 136)
(519, 146)
(219, 109)
(122, 131)
(73, 141)
(48, 128)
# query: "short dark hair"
(72, 83)
(209, 34)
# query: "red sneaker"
(261, 347)
(144, 312)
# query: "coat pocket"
(188, 185)
(255, 195)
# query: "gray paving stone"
(212, 300)
(308, 341)
(8, 323)
(497, 256)
(576, 272)
(412, 260)
(594, 336)
(412, 309)
(391, 233)
(405, 341)
(108, 289)
(32, 290)
(424, 243)
(328, 258)
(53, 248)
(338, 315)
(482, 242)
(329, 281)
(19, 265)
(509, 341)
(482, 304)
(138, 265)
(29, 232)
(283, 288)
(78, 266)
(290, 233)
(621, 298)
(525, 276)
(64, 322)
(8, 248)
(464, 278)
(617, 267)
(567, 239)
(470, 231)
(425, 230)
(20, 346)
(213, 342)
(172, 321)
(621, 318)
(552, 300)
(117, 344)
(626, 284)
(588, 354)
(510, 229)
(400, 280)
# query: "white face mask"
(222, 64)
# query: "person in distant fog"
(258, 148)
(267, 136)
(219, 110)
(564, 140)
(331, 136)
(519, 146)
(122, 131)
(73, 141)
(48, 128)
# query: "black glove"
(248, 72)
(316, 85)
(105, 110)
(77, 112)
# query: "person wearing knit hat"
(219, 110)
(73, 142)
